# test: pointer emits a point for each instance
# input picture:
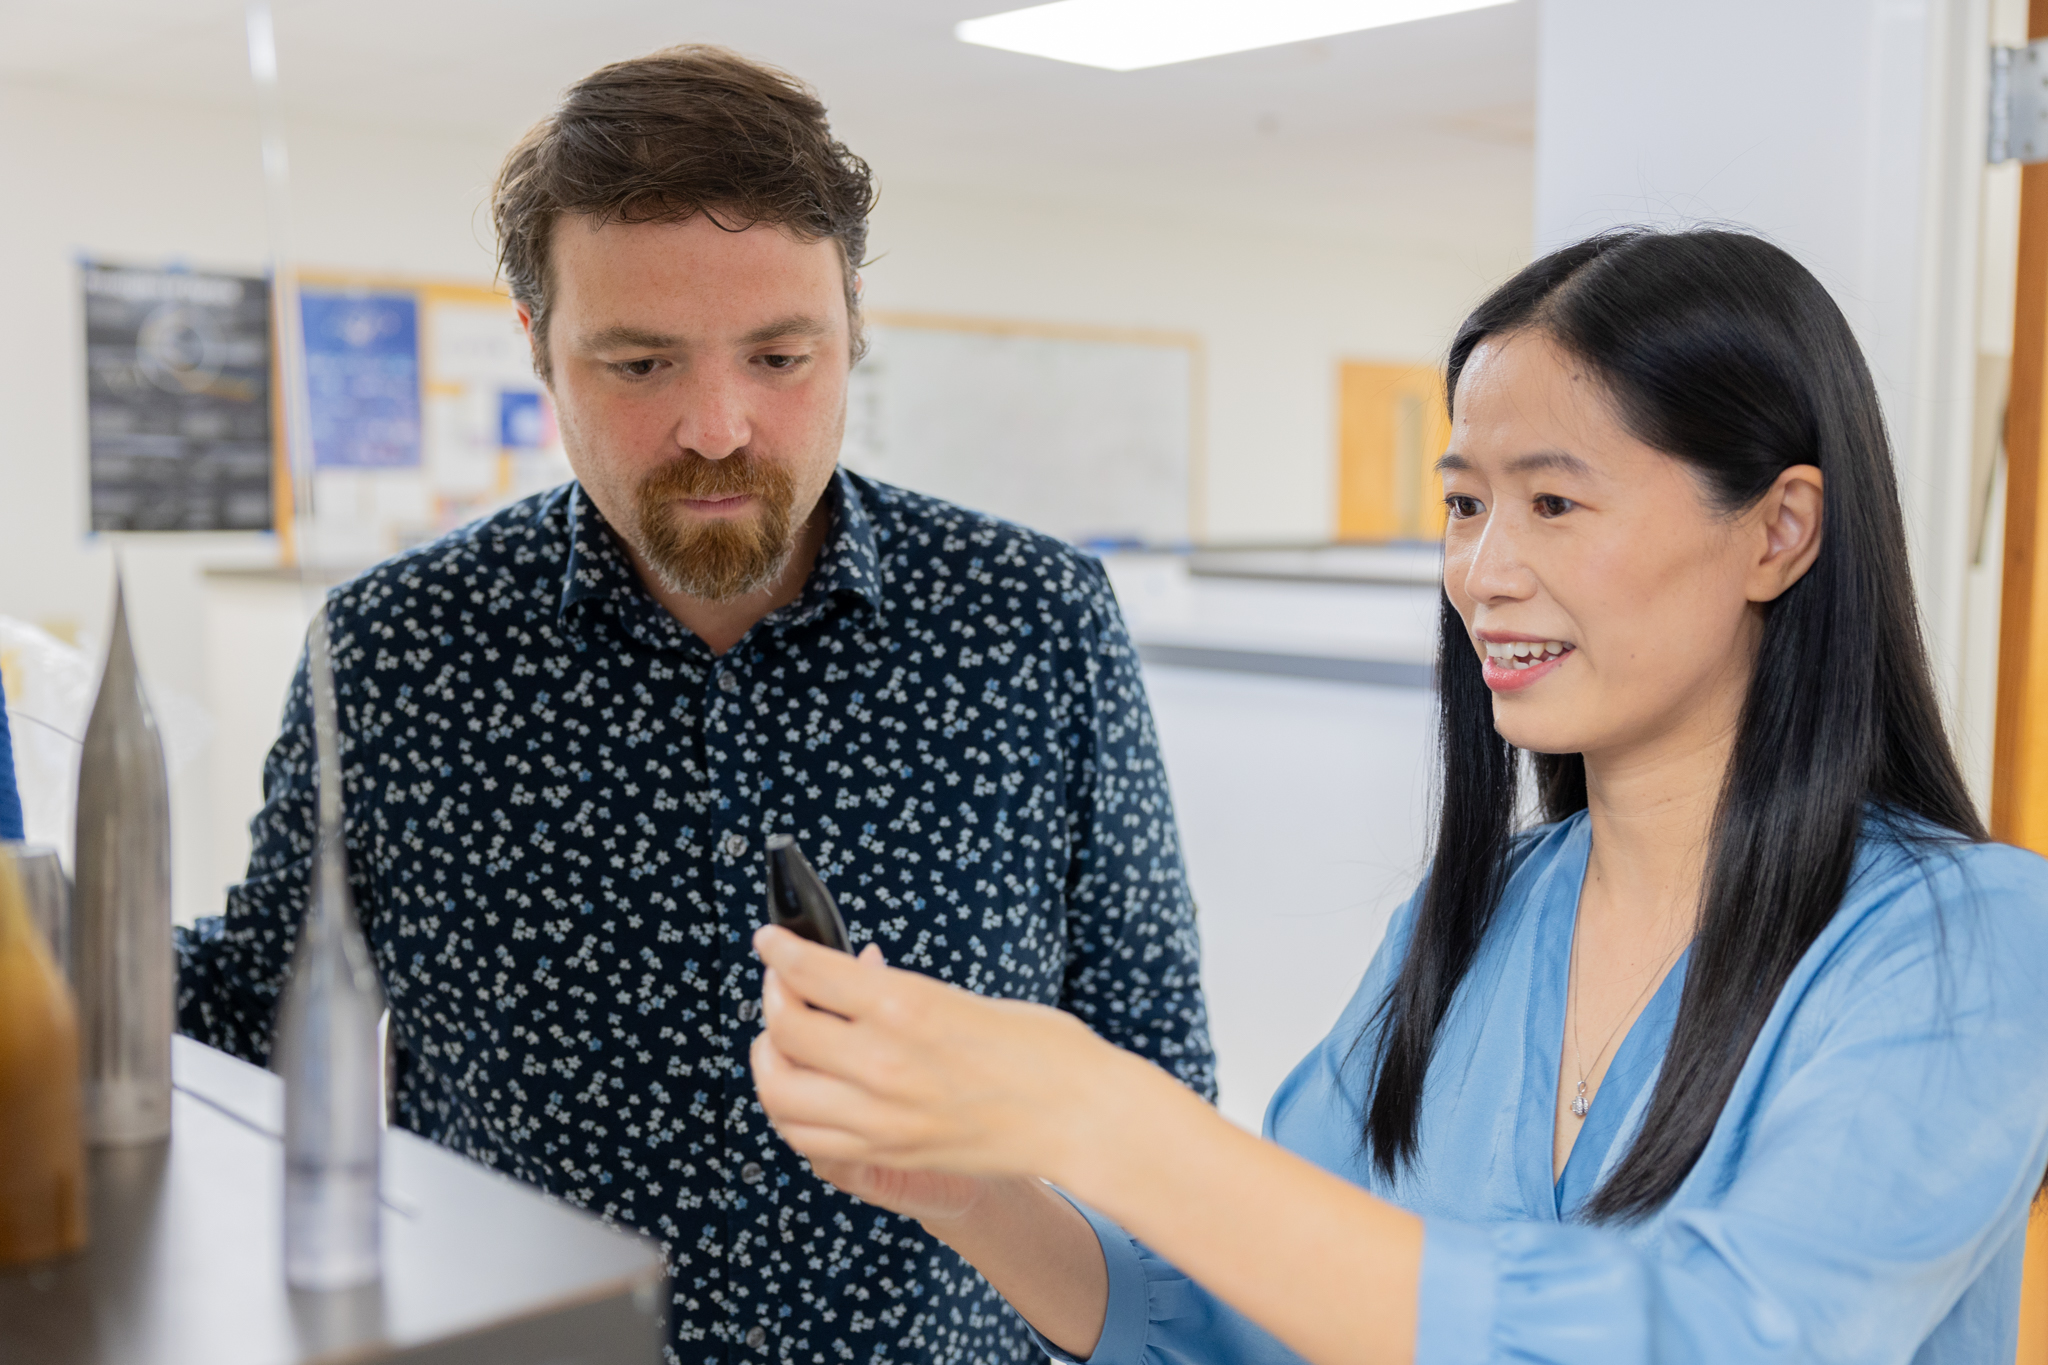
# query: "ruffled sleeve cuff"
(1129, 1313)
(1455, 1304)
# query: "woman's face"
(1611, 605)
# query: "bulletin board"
(425, 409)
(1093, 434)
(178, 399)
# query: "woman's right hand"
(931, 1197)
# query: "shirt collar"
(849, 564)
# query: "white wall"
(1852, 133)
(149, 182)
(1276, 313)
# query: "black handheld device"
(798, 900)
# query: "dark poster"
(178, 399)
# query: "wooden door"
(1390, 430)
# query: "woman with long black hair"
(1741, 1056)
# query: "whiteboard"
(1091, 437)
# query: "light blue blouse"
(1862, 1199)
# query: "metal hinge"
(2019, 103)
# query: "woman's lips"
(1502, 677)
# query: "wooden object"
(2019, 779)
(2019, 772)
(42, 1152)
(1391, 428)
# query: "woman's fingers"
(825, 979)
(793, 1093)
(809, 1037)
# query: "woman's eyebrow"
(1556, 460)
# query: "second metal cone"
(327, 1048)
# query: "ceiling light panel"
(1126, 35)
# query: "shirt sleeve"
(1134, 956)
(1158, 1316)
(10, 795)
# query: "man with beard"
(569, 727)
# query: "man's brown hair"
(664, 137)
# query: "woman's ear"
(1787, 518)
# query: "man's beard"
(719, 559)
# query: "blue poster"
(522, 421)
(363, 378)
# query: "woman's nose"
(1494, 570)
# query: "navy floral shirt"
(556, 803)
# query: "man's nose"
(713, 421)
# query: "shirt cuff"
(1128, 1313)
(1455, 1306)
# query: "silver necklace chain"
(1580, 1100)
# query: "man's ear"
(1788, 520)
(540, 370)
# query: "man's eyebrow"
(1557, 460)
(629, 338)
(789, 328)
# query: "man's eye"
(782, 362)
(1462, 506)
(636, 369)
(1550, 505)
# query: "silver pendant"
(1579, 1102)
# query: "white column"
(1850, 132)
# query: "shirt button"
(751, 1172)
(757, 1337)
(735, 845)
(748, 1009)
(728, 683)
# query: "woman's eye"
(1461, 506)
(1551, 505)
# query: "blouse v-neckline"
(1624, 1094)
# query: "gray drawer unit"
(186, 1262)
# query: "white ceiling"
(1418, 133)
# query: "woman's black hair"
(1720, 350)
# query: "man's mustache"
(696, 477)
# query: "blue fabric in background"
(10, 798)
